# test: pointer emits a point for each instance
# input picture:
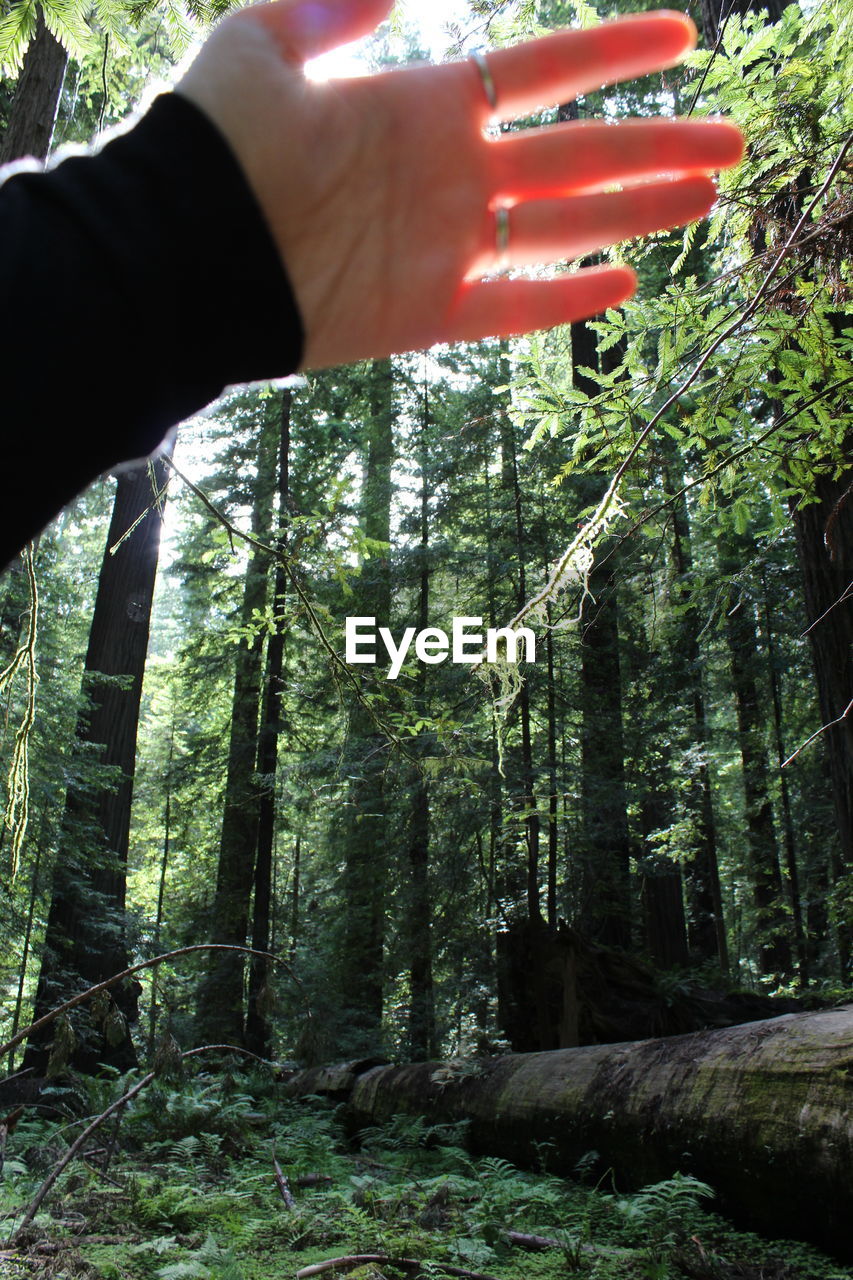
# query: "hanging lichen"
(504, 678)
(17, 811)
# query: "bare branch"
(842, 599)
(76, 1146)
(126, 973)
(824, 729)
(281, 1183)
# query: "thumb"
(304, 29)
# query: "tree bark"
(824, 532)
(36, 101)
(364, 834)
(606, 880)
(421, 1020)
(220, 1016)
(764, 868)
(706, 925)
(762, 1112)
(788, 837)
(258, 1033)
(661, 892)
(85, 937)
(527, 800)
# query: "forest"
(531, 965)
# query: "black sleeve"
(135, 285)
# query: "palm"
(380, 192)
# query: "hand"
(381, 193)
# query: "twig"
(842, 599)
(100, 1173)
(76, 1146)
(823, 729)
(726, 461)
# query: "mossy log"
(762, 1112)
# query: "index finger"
(557, 68)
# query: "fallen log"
(762, 1112)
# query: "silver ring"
(479, 61)
(502, 235)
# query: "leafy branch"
(575, 561)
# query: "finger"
(307, 28)
(590, 154)
(559, 67)
(542, 231)
(502, 308)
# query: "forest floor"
(218, 1178)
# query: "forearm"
(136, 285)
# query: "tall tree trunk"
(295, 900)
(525, 1012)
(764, 869)
(220, 997)
(606, 885)
(154, 1008)
(85, 938)
(553, 797)
(490, 861)
(824, 532)
(258, 1028)
(365, 832)
(789, 841)
(528, 798)
(661, 891)
(33, 114)
(422, 1039)
(28, 133)
(706, 923)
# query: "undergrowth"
(187, 1185)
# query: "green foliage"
(664, 1213)
(476, 524)
(200, 1207)
(80, 28)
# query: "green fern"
(209, 1262)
